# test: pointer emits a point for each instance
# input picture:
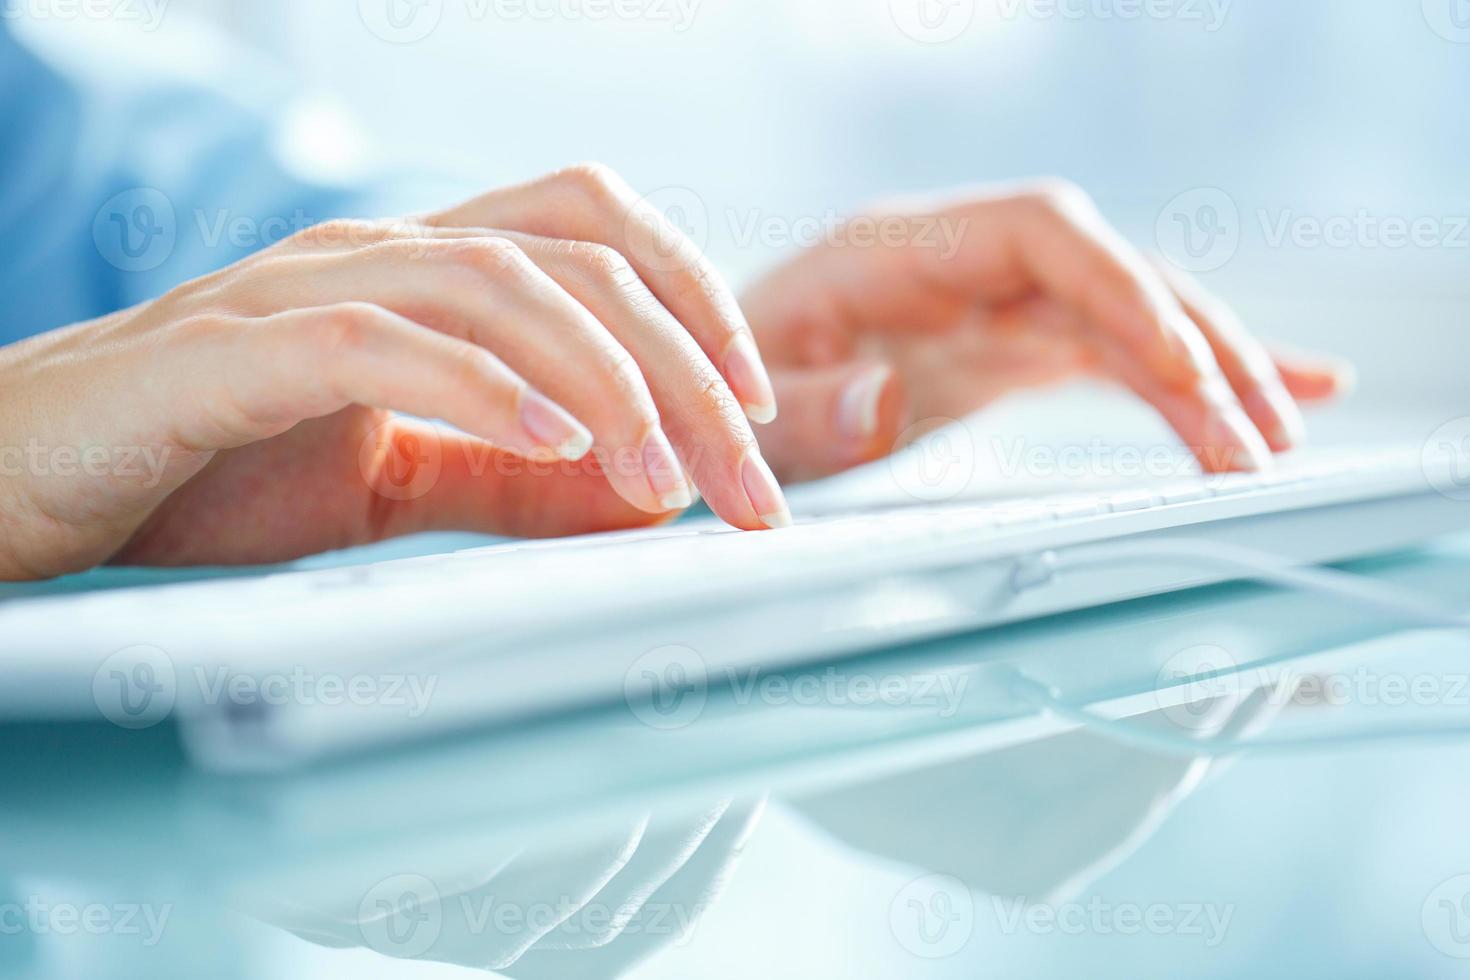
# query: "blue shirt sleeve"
(111, 198)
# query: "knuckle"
(202, 293)
(493, 257)
(406, 226)
(715, 397)
(603, 264)
(345, 327)
(1057, 196)
(474, 368)
(726, 415)
(622, 384)
(620, 368)
(246, 286)
(702, 277)
(337, 232)
(200, 328)
(596, 181)
(1116, 283)
(398, 248)
(700, 281)
(714, 391)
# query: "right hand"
(964, 299)
(1043, 820)
(263, 393)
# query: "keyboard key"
(1017, 514)
(1183, 493)
(1079, 507)
(1132, 500)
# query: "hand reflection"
(1040, 821)
(592, 909)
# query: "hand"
(920, 312)
(244, 417)
(1041, 821)
(590, 907)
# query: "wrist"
(28, 538)
(13, 567)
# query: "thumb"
(832, 418)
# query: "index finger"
(590, 203)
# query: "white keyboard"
(526, 627)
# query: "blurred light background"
(1223, 121)
(1309, 116)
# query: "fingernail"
(857, 406)
(1277, 412)
(665, 475)
(766, 498)
(749, 381)
(552, 426)
(1346, 374)
(1232, 431)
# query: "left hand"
(918, 312)
(250, 415)
(590, 905)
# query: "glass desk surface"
(106, 811)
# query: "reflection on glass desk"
(548, 848)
